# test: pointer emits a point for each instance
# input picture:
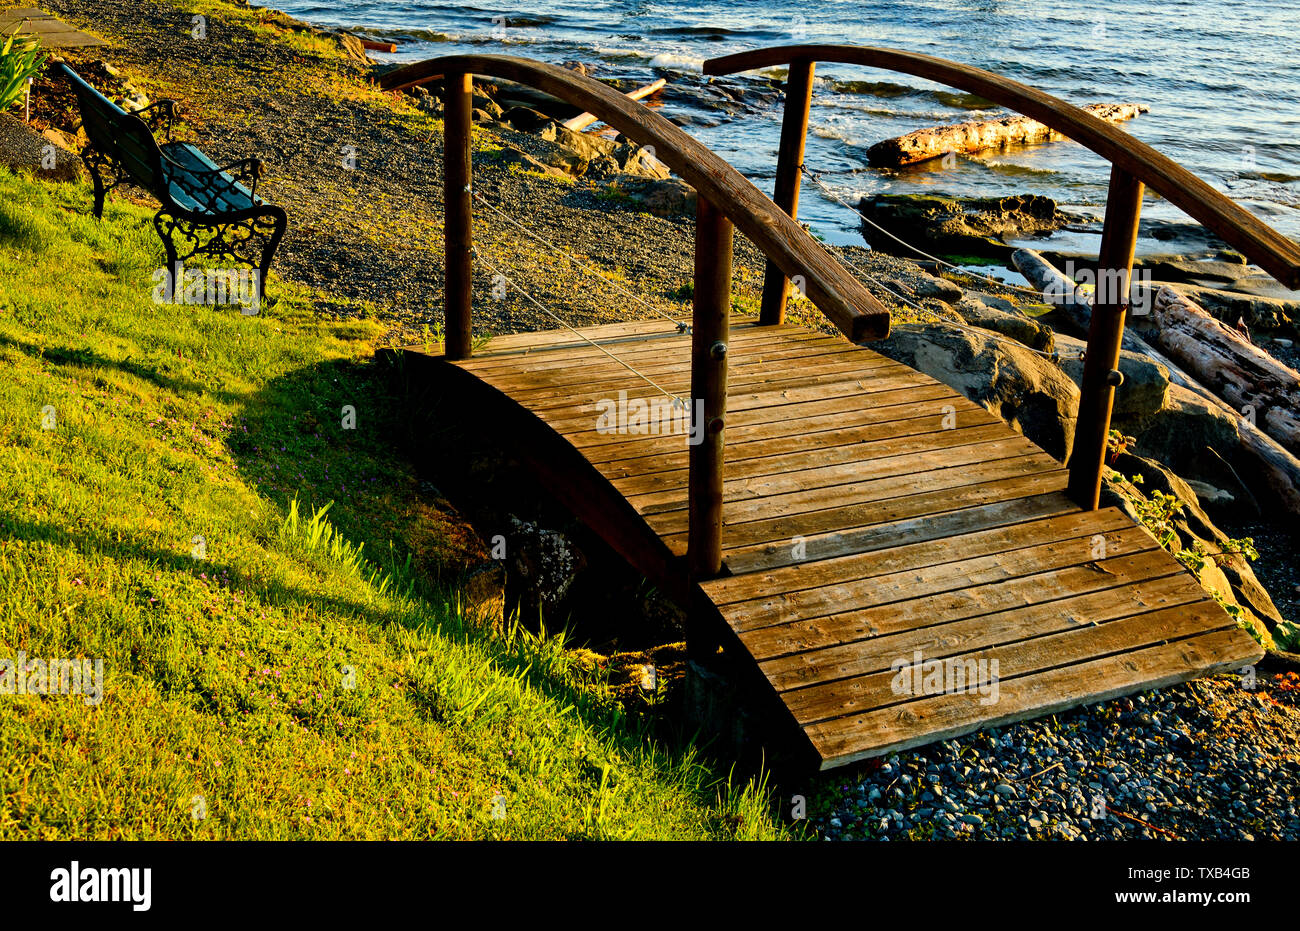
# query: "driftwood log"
(978, 135)
(1273, 464)
(1229, 365)
(583, 120)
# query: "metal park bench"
(196, 194)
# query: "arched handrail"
(835, 291)
(1134, 165)
(1263, 245)
(724, 198)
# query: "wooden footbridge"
(896, 564)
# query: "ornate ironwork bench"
(196, 194)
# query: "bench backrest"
(120, 135)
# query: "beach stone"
(353, 48)
(930, 286)
(1180, 432)
(524, 162)
(1024, 389)
(486, 104)
(669, 198)
(525, 119)
(1146, 382)
(977, 311)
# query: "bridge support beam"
(458, 223)
(710, 333)
(785, 193)
(1105, 333)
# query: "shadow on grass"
(291, 441)
(88, 358)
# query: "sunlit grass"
(276, 664)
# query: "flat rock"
(1026, 390)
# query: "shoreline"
(372, 238)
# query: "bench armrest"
(246, 171)
(159, 116)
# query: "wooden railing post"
(785, 193)
(458, 230)
(1105, 333)
(710, 333)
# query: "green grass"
(308, 678)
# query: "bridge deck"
(873, 517)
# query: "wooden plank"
(533, 340)
(799, 636)
(576, 363)
(669, 518)
(774, 394)
(538, 393)
(940, 526)
(890, 407)
(784, 530)
(858, 458)
(848, 740)
(571, 352)
(808, 483)
(814, 572)
(911, 584)
(847, 660)
(675, 377)
(758, 457)
(825, 701)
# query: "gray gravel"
(1206, 760)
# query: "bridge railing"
(725, 199)
(1134, 165)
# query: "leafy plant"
(20, 59)
(1117, 443)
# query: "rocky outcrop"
(1144, 392)
(957, 228)
(1026, 390)
(671, 198)
(1207, 551)
(982, 311)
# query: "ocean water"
(1222, 79)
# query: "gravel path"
(1205, 760)
(373, 232)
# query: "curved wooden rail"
(1263, 245)
(725, 198)
(835, 291)
(1134, 165)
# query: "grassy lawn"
(296, 673)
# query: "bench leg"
(167, 226)
(279, 221)
(251, 241)
(100, 165)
